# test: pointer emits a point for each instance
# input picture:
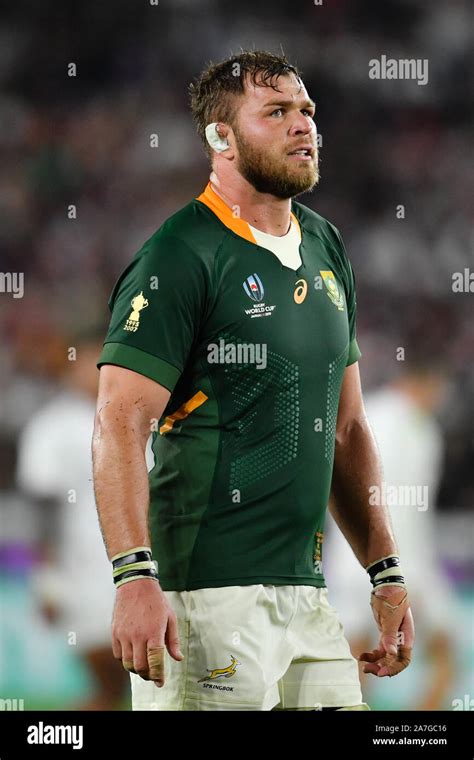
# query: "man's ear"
(214, 137)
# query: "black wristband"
(383, 564)
(141, 556)
(389, 579)
(148, 572)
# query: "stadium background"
(85, 140)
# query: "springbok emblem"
(227, 672)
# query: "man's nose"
(302, 125)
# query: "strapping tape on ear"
(214, 139)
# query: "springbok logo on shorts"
(227, 672)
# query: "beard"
(268, 174)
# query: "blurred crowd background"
(84, 140)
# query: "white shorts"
(253, 648)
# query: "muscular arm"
(367, 527)
(126, 404)
(357, 467)
(143, 624)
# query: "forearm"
(357, 469)
(120, 482)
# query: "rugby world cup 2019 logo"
(253, 287)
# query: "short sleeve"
(157, 306)
(351, 300)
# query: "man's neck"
(263, 211)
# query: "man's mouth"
(304, 153)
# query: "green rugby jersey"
(254, 354)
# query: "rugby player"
(233, 341)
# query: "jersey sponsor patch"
(301, 290)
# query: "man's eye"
(310, 113)
(276, 111)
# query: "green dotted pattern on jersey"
(254, 431)
(247, 469)
(332, 403)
